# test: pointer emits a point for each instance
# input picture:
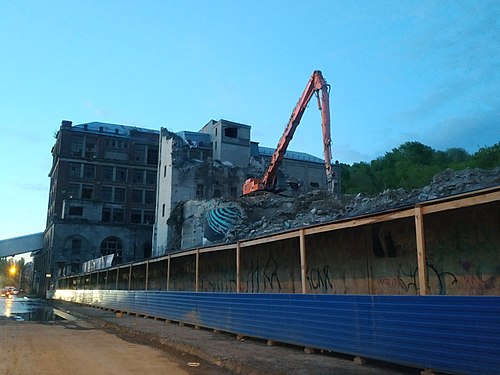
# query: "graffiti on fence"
(442, 277)
(319, 278)
(218, 278)
(265, 279)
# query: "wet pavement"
(22, 308)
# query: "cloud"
(470, 131)
(35, 187)
(455, 54)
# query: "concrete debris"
(266, 214)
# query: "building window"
(87, 191)
(121, 174)
(152, 155)
(119, 195)
(76, 246)
(74, 191)
(106, 214)
(231, 132)
(76, 146)
(88, 171)
(149, 217)
(74, 170)
(118, 215)
(112, 245)
(165, 171)
(90, 147)
(150, 197)
(140, 153)
(137, 196)
(136, 216)
(106, 193)
(151, 177)
(107, 173)
(138, 176)
(163, 210)
(76, 211)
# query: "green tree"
(412, 165)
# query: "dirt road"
(78, 348)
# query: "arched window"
(112, 245)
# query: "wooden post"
(117, 274)
(303, 265)
(197, 285)
(168, 272)
(147, 274)
(238, 259)
(420, 238)
(129, 276)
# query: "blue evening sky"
(399, 71)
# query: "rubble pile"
(268, 213)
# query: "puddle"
(19, 308)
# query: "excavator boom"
(315, 85)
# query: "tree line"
(412, 165)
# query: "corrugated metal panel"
(452, 334)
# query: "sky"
(426, 71)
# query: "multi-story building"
(101, 200)
(108, 187)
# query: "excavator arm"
(315, 85)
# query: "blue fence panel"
(453, 334)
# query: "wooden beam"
(117, 274)
(230, 246)
(147, 274)
(168, 272)
(303, 265)
(238, 261)
(277, 237)
(197, 284)
(183, 254)
(420, 239)
(129, 276)
(463, 202)
(351, 223)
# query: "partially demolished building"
(199, 172)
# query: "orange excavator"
(316, 84)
